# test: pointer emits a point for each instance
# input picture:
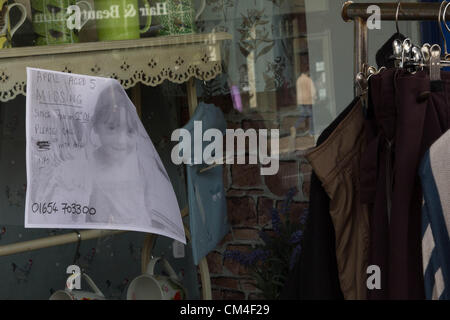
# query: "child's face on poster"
(116, 137)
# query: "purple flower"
(276, 221)
(290, 195)
(247, 260)
(233, 255)
(256, 256)
(296, 237)
(304, 216)
(295, 254)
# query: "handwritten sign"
(90, 161)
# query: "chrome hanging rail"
(358, 13)
(409, 11)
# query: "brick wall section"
(248, 212)
(250, 196)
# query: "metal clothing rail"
(72, 237)
(409, 11)
(418, 11)
(53, 241)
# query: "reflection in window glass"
(288, 66)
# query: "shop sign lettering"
(74, 15)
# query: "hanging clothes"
(435, 178)
(315, 275)
(375, 163)
(409, 114)
(208, 218)
(337, 165)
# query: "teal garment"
(207, 199)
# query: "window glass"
(279, 70)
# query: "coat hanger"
(436, 62)
(404, 50)
(430, 55)
(399, 4)
(363, 77)
(362, 81)
(414, 58)
(444, 14)
(77, 250)
(389, 55)
(400, 48)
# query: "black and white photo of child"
(117, 185)
(128, 177)
(103, 165)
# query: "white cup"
(156, 287)
(68, 294)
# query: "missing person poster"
(90, 161)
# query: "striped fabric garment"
(435, 178)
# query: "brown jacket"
(337, 165)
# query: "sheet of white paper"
(90, 161)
